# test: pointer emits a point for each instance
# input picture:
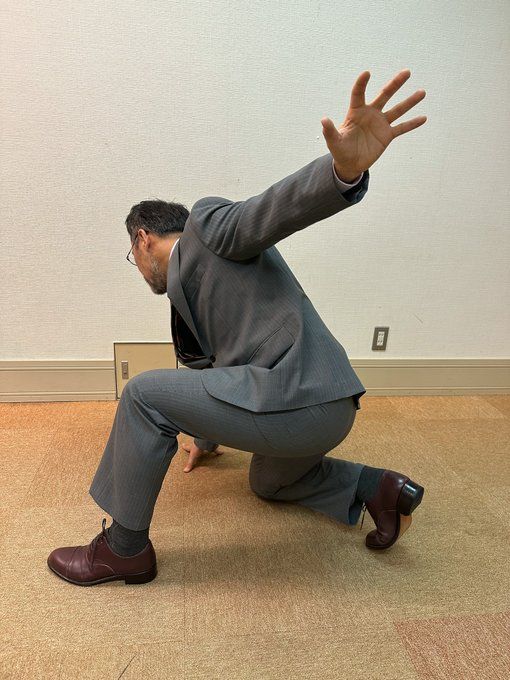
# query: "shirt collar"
(174, 247)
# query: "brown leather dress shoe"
(86, 565)
(396, 498)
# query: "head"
(153, 228)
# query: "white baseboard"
(95, 380)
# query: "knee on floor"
(263, 489)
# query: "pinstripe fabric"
(344, 188)
(269, 347)
(288, 447)
(280, 385)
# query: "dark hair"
(157, 216)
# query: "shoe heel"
(144, 577)
(410, 497)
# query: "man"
(273, 380)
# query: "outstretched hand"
(366, 131)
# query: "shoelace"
(363, 508)
(95, 542)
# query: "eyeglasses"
(127, 256)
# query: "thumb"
(328, 128)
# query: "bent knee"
(140, 382)
(262, 488)
(266, 495)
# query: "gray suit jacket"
(268, 346)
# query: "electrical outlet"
(380, 337)
(124, 369)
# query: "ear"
(145, 236)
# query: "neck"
(169, 247)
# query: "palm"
(363, 137)
(366, 131)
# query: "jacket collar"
(176, 295)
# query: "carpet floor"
(249, 588)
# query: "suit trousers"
(289, 461)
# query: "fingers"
(195, 453)
(328, 129)
(358, 90)
(408, 126)
(192, 460)
(390, 88)
(404, 106)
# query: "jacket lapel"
(178, 299)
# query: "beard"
(158, 280)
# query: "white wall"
(105, 104)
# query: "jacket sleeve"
(238, 230)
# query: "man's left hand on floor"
(195, 454)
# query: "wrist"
(345, 175)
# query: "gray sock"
(368, 482)
(126, 542)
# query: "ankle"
(368, 482)
(126, 542)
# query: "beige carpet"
(249, 588)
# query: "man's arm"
(242, 229)
(342, 183)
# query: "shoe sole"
(409, 499)
(129, 579)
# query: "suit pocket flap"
(271, 350)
